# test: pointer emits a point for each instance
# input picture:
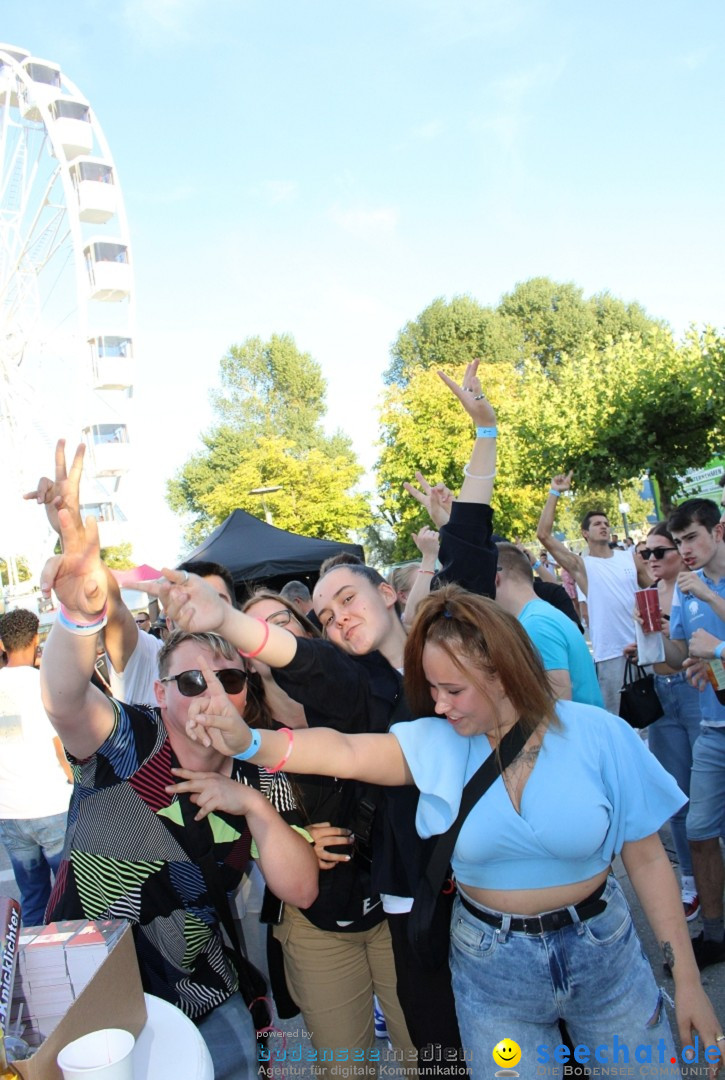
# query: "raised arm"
(468, 556)
(63, 493)
(545, 532)
(480, 472)
(195, 606)
(427, 541)
(81, 714)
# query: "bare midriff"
(534, 901)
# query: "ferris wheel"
(66, 294)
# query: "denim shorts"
(705, 818)
(592, 974)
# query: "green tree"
(635, 406)
(555, 321)
(272, 388)
(270, 435)
(540, 320)
(449, 334)
(610, 414)
(118, 556)
(423, 428)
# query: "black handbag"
(252, 983)
(638, 701)
(430, 918)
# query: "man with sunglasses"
(608, 579)
(133, 849)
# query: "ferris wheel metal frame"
(67, 300)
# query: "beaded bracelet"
(718, 650)
(553, 491)
(426, 571)
(254, 745)
(265, 639)
(486, 432)
(472, 476)
(290, 741)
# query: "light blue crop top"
(594, 786)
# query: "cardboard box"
(113, 998)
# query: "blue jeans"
(35, 847)
(592, 974)
(706, 816)
(671, 740)
(228, 1032)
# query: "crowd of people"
(329, 736)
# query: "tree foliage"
(541, 320)
(591, 385)
(270, 435)
(118, 556)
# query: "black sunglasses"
(658, 552)
(192, 683)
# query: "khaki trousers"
(332, 976)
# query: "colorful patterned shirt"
(125, 858)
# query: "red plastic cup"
(648, 606)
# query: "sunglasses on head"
(658, 552)
(192, 683)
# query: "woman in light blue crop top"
(540, 930)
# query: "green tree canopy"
(270, 435)
(271, 388)
(610, 413)
(118, 556)
(541, 320)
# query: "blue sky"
(327, 168)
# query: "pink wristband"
(290, 742)
(265, 639)
(89, 622)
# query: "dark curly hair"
(17, 629)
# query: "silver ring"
(480, 397)
(720, 1038)
(186, 577)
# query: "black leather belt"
(540, 924)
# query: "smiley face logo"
(507, 1053)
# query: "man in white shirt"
(608, 578)
(34, 775)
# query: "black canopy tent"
(256, 553)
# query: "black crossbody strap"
(440, 859)
(200, 846)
